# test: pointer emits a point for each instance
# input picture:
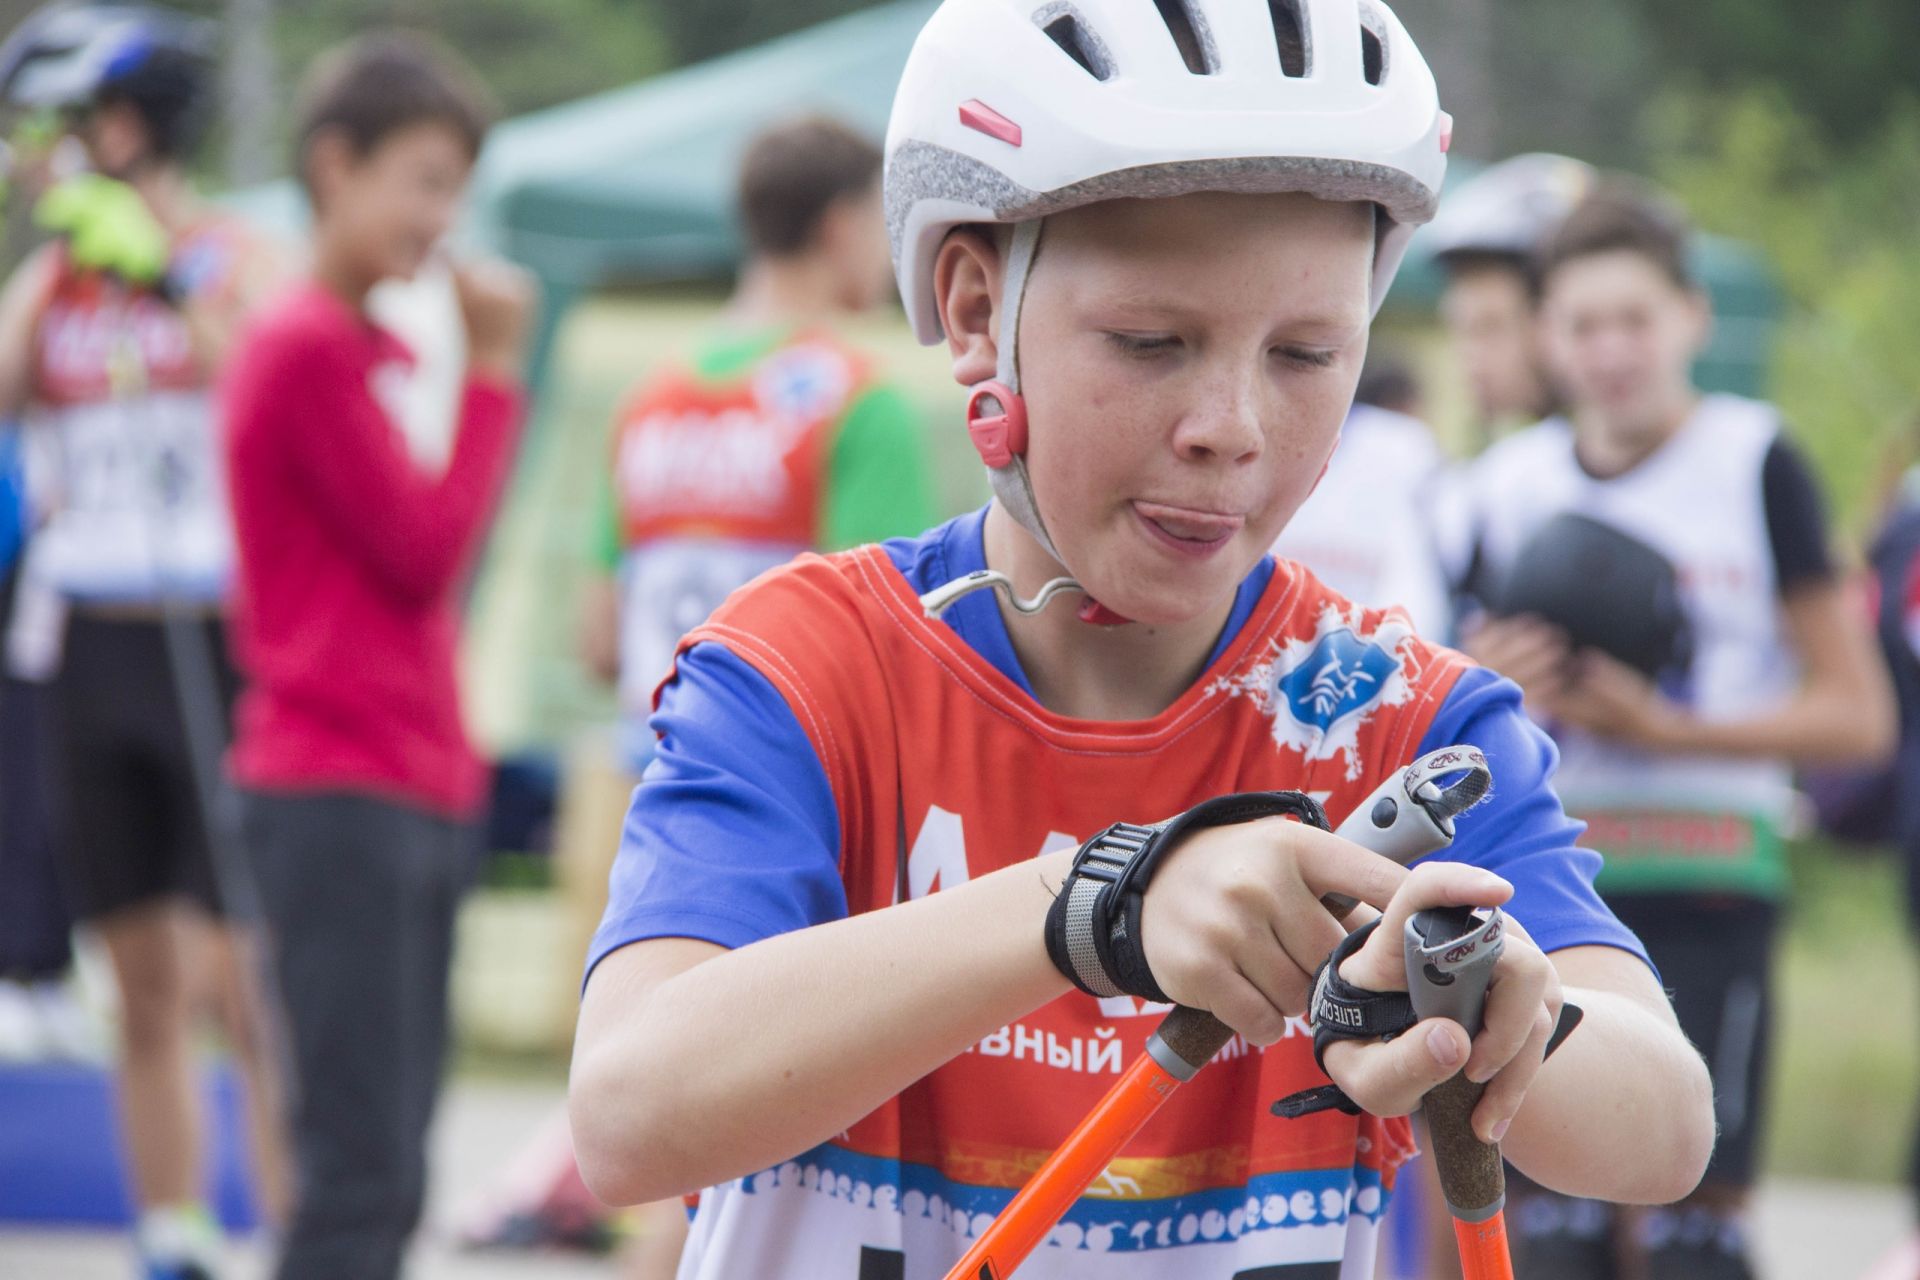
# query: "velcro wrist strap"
(1093, 928)
(1076, 943)
(1341, 1011)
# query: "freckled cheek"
(1295, 461)
(1094, 424)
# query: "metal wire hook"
(942, 598)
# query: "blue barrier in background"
(60, 1159)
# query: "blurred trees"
(1836, 219)
(1572, 75)
(1565, 75)
(532, 53)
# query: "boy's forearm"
(1814, 727)
(758, 1054)
(1623, 1112)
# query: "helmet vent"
(1373, 46)
(1189, 36)
(1064, 27)
(1290, 33)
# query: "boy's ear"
(329, 156)
(1702, 307)
(966, 288)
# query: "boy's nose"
(1222, 421)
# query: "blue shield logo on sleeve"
(1341, 675)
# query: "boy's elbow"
(1691, 1135)
(1878, 731)
(620, 1136)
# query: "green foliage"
(711, 27)
(1837, 224)
(532, 53)
(1844, 1071)
(1841, 63)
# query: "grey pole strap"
(1011, 484)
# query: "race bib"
(668, 587)
(134, 500)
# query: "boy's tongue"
(1189, 526)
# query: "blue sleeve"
(732, 835)
(1520, 832)
(13, 498)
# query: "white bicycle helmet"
(1507, 210)
(72, 55)
(1010, 110)
(66, 54)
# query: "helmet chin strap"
(1005, 455)
(1011, 484)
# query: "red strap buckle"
(1001, 437)
(1099, 615)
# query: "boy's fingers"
(1515, 1002)
(1281, 966)
(1305, 930)
(1329, 864)
(1508, 1089)
(1543, 671)
(1246, 1009)
(1282, 986)
(1389, 1078)
(1516, 639)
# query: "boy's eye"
(1142, 344)
(1308, 357)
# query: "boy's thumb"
(1390, 1078)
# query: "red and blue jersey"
(826, 750)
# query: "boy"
(776, 437)
(360, 786)
(1487, 238)
(111, 336)
(1684, 776)
(825, 989)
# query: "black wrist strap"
(1093, 928)
(1373, 1005)
(1341, 1011)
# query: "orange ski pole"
(1450, 954)
(1183, 1043)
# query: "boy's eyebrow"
(1174, 307)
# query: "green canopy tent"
(637, 184)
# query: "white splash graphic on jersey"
(1320, 690)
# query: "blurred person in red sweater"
(361, 789)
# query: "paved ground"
(1810, 1231)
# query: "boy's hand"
(1527, 650)
(1523, 1006)
(1233, 923)
(1610, 698)
(496, 302)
